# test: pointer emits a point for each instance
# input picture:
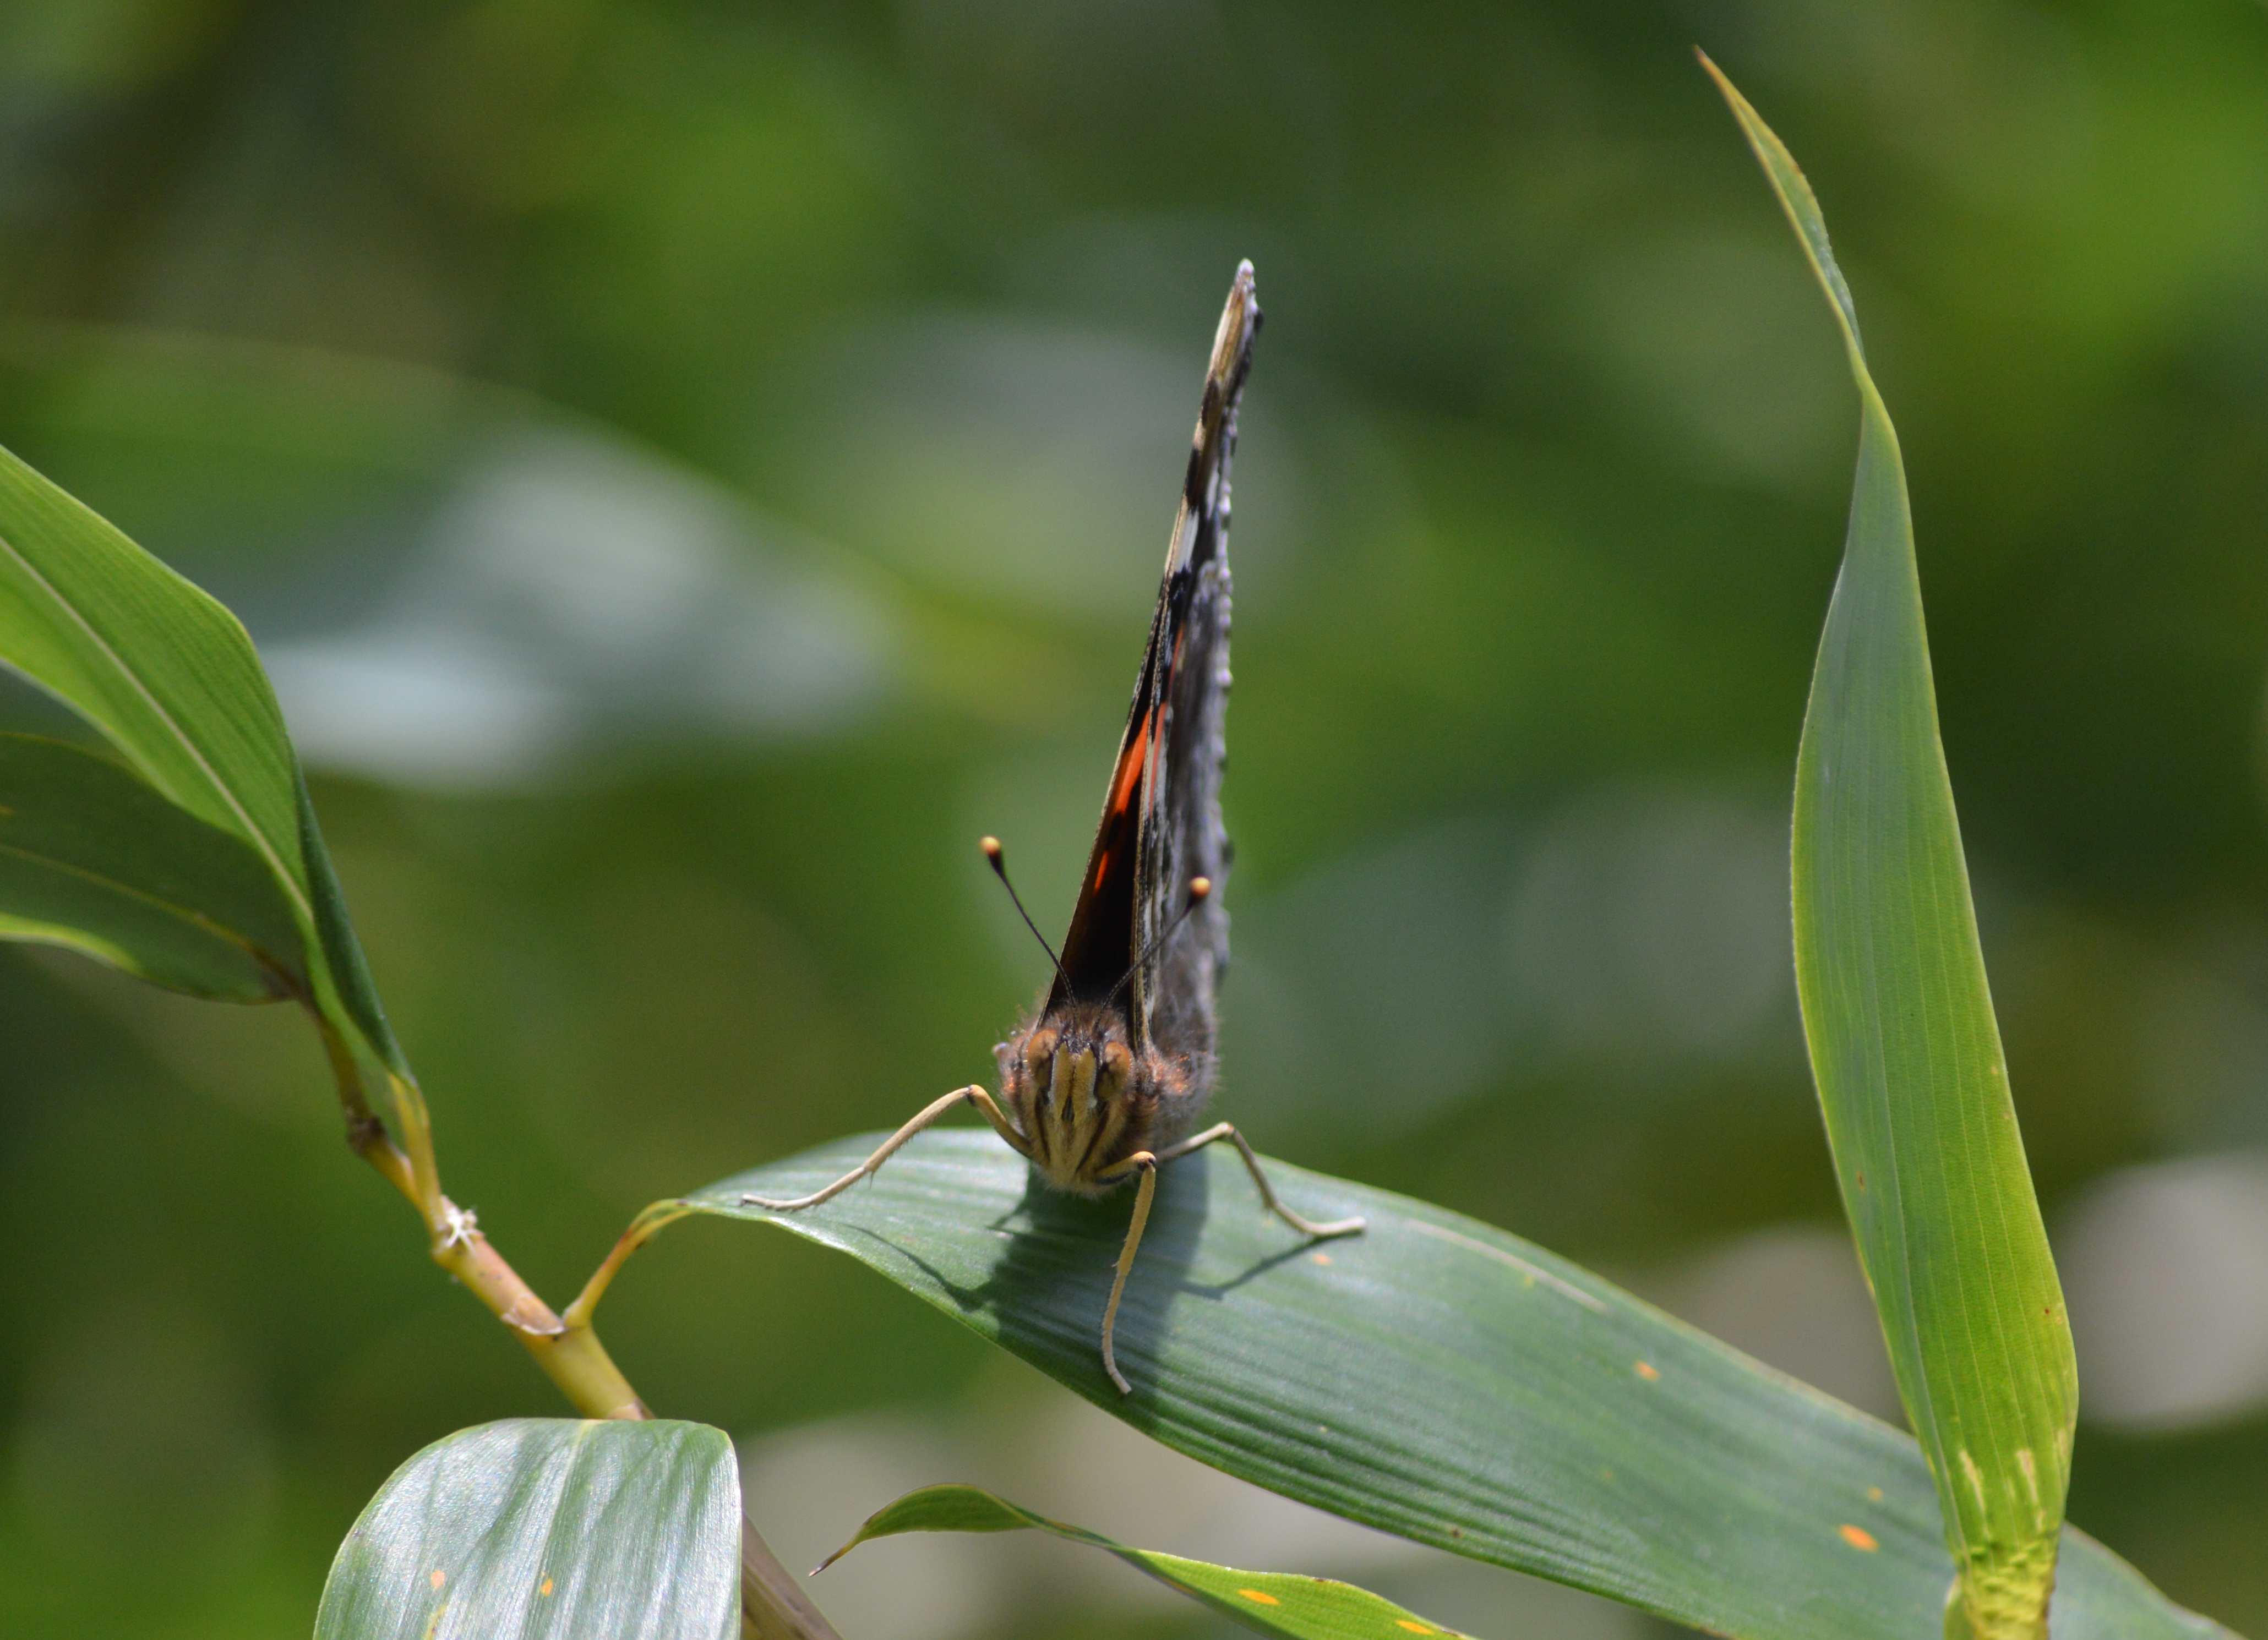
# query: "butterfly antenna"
(992, 854)
(1200, 890)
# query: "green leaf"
(547, 1526)
(169, 676)
(1273, 1602)
(1437, 1378)
(93, 860)
(1903, 1043)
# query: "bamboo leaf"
(547, 1526)
(92, 858)
(1437, 1378)
(169, 677)
(1904, 1046)
(1273, 1602)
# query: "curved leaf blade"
(1904, 1046)
(1439, 1378)
(1272, 1602)
(547, 1526)
(154, 662)
(93, 860)
(168, 675)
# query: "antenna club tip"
(992, 847)
(1200, 888)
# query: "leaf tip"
(1724, 87)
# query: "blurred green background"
(692, 468)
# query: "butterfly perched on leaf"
(1106, 1083)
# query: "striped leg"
(1147, 1164)
(888, 1147)
(1146, 1188)
(1227, 1130)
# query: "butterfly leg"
(1146, 1165)
(888, 1147)
(1227, 1130)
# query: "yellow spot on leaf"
(1414, 1627)
(1873, 1494)
(545, 1589)
(1975, 1475)
(1260, 1597)
(439, 1578)
(1859, 1538)
(1322, 1258)
(1646, 1370)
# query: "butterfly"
(1105, 1084)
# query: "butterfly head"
(1083, 1082)
(1083, 1094)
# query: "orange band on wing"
(1131, 764)
(1126, 784)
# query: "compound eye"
(1039, 1053)
(1117, 1064)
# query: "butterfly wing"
(1161, 815)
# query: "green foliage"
(92, 858)
(1272, 1602)
(169, 677)
(1904, 1044)
(1438, 1377)
(542, 1527)
(1482, 615)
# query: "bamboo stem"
(773, 1605)
(642, 1230)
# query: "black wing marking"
(1161, 821)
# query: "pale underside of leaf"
(538, 1527)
